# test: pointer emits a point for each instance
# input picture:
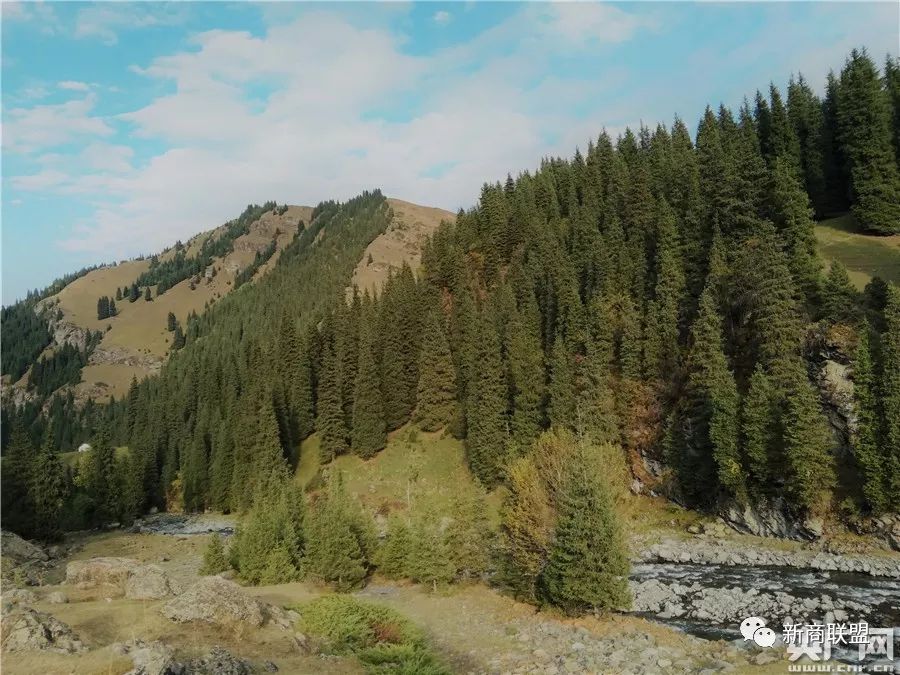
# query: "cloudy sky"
(127, 126)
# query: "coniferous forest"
(656, 298)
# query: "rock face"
(214, 600)
(26, 629)
(218, 662)
(149, 582)
(149, 658)
(20, 551)
(100, 571)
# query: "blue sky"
(127, 126)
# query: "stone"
(57, 598)
(214, 600)
(20, 596)
(149, 582)
(19, 550)
(150, 658)
(219, 662)
(577, 647)
(270, 667)
(100, 571)
(25, 629)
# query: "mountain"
(650, 316)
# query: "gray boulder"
(57, 598)
(25, 629)
(100, 571)
(217, 601)
(20, 596)
(149, 582)
(20, 551)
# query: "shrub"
(382, 639)
(214, 558)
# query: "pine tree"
(330, 425)
(369, 429)
(712, 444)
(562, 408)
(147, 296)
(792, 216)
(758, 431)
(132, 494)
(807, 444)
(588, 565)
(171, 322)
(661, 343)
(340, 539)
(839, 297)
(393, 555)
(112, 307)
(805, 114)
(214, 558)
(526, 530)
(527, 378)
(101, 477)
(430, 557)
(866, 446)
(47, 490)
(467, 535)
(486, 410)
(864, 125)
(890, 389)
(436, 397)
(118, 293)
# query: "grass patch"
(864, 255)
(381, 638)
(416, 469)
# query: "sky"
(129, 125)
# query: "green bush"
(382, 639)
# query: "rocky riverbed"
(708, 587)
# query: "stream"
(882, 595)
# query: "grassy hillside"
(864, 256)
(415, 469)
(401, 242)
(136, 342)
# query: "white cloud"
(72, 85)
(44, 126)
(442, 17)
(104, 21)
(267, 117)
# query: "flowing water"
(882, 594)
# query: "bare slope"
(135, 342)
(401, 242)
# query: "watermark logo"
(754, 628)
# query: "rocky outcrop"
(26, 629)
(19, 551)
(765, 520)
(148, 658)
(100, 571)
(218, 662)
(217, 601)
(180, 524)
(136, 581)
(723, 552)
(149, 582)
(19, 596)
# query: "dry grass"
(137, 342)
(401, 242)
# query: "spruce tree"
(712, 443)
(171, 322)
(807, 443)
(430, 559)
(47, 490)
(467, 535)
(758, 431)
(369, 433)
(527, 377)
(562, 408)
(340, 539)
(661, 343)
(101, 477)
(839, 297)
(436, 397)
(864, 126)
(588, 565)
(330, 424)
(214, 558)
(393, 555)
(486, 410)
(890, 388)
(866, 446)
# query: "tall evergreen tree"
(47, 490)
(867, 448)
(369, 432)
(588, 566)
(890, 388)
(436, 397)
(330, 425)
(527, 376)
(487, 407)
